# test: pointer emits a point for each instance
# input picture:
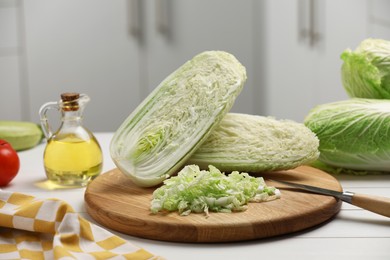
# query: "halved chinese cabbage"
(252, 143)
(170, 124)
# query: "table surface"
(353, 233)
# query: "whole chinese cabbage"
(252, 143)
(365, 72)
(170, 124)
(354, 134)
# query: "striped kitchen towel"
(32, 228)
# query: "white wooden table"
(353, 234)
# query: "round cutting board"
(114, 201)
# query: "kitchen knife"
(377, 204)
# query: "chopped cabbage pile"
(195, 190)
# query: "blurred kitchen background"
(118, 51)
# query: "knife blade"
(376, 204)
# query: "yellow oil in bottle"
(71, 160)
(72, 155)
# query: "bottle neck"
(72, 117)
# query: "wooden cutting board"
(115, 202)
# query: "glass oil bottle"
(72, 156)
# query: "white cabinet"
(379, 19)
(83, 46)
(10, 90)
(179, 29)
(119, 51)
(301, 73)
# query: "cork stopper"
(70, 101)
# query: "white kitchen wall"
(51, 46)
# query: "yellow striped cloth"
(32, 228)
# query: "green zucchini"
(21, 135)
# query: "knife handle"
(377, 204)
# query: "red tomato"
(9, 163)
